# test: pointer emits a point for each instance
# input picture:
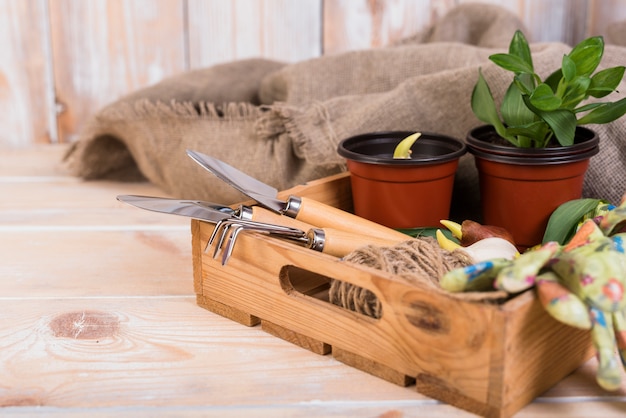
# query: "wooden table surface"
(98, 317)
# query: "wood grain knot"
(85, 325)
(24, 401)
(428, 318)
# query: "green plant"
(533, 112)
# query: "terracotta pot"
(521, 187)
(405, 193)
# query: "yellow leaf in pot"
(403, 149)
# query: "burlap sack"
(436, 102)
(479, 24)
(144, 135)
(308, 107)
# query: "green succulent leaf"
(543, 98)
(534, 112)
(605, 81)
(512, 63)
(525, 82)
(605, 113)
(588, 107)
(519, 48)
(427, 232)
(575, 92)
(561, 121)
(587, 55)
(563, 124)
(564, 220)
(484, 107)
(513, 109)
(527, 133)
(568, 68)
(554, 79)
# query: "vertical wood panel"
(603, 13)
(556, 20)
(284, 30)
(211, 32)
(515, 6)
(105, 48)
(292, 29)
(99, 50)
(361, 24)
(24, 74)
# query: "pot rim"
(538, 160)
(456, 147)
(585, 148)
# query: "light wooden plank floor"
(98, 317)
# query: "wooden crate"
(488, 359)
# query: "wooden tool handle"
(341, 243)
(325, 216)
(336, 242)
(260, 214)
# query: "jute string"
(418, 260)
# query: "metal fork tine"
(222, 225)
(225, 224)
(235, 226)
(218, 225)
(226, 227)
(228, 251)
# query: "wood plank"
(99, 317)
(363, 24)
(276, 29)
(100, 50)
(604, 13)
(82, 234)
(582, 385)
(425, 408)
(556, 20)
(25, 68)
(306, 408)
(35, 161)
(351, 25)
(300, 340)
(422, 408)
(67, 193)
(547, 20)
(132, 356)
(372, 367)
(104, 49)
(95, 262)
(63, 203)
(84, 218)
(38, 192)
(100, 352)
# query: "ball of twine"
(418, 260)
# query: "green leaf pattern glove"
(580, 284)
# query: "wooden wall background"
(61, 60)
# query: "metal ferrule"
(316, 239)
(293, 206)
(244, 212)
